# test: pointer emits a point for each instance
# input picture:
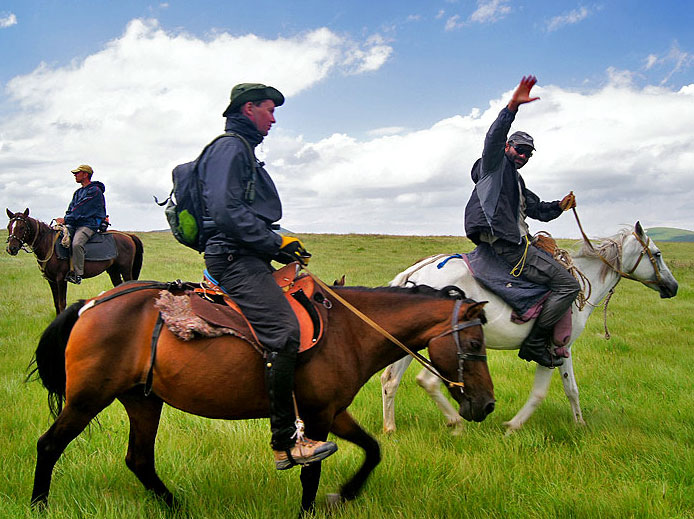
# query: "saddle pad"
(494, 274)
(100, 247)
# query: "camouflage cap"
(244, 92)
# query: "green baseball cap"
(244, 92)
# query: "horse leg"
(114, 275)
(432, 385)
(390, 381)
(345, 427)
(144, 413)
(55, 291)
(70, 423)
(543, 377)
(571, 389)
(62, 290)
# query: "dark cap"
(521, 138)
(244, 92)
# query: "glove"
(292, 250)
(568, 202)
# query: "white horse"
(616, 257)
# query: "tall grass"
(633, 459)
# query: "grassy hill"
(670, 234)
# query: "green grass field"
(633, 459)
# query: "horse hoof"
(511, 427)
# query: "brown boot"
(303, 453)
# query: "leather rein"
(456, 327)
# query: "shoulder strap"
(249, 193)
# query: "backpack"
(185, 209)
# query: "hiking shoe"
(303, 453)
(73, 278)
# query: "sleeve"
(539, 210)
(226, 170)
(495, 141)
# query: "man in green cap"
(242, 209)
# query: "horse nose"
(489, 408)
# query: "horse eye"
(658, 254)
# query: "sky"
(387, 105)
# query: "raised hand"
(522, 93)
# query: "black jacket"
(239, 227)
(494, 205)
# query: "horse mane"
(609, 248)
(449, 292)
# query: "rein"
(456, 327)
(628, 275)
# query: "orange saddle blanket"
(210, 303)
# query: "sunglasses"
(524, 150)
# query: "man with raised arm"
(496, 214)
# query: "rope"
(419, 358)
(516, 271)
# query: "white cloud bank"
(151, 100)
(7, 20)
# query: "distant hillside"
(670, 234)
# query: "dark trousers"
(541, 268)
(248, 281)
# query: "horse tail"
(48, 364)
(137, 260)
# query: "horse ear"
(9, 213)
(339, 282)
(26, 212)
(639, 230)
(475, 310)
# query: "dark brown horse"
(30, 235)
(88, 361)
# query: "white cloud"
(489, 11)
(453, 23)
(570, 18)
(144, 103)
(8, 20)
(150, 99)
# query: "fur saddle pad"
(207, 311)
(100, 247)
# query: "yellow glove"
(568, 202)
(292, 250)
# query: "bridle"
(456, 327)
(27, 227)
(645, 251)
(462, 355)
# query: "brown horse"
(30, 235)
(88, 361)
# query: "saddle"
(100, 247)
(221, 315)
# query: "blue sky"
(387, 104)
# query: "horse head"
(653, 273)
(19, 230)
(461, 355)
